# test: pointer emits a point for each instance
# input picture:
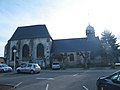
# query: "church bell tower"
(90, 32)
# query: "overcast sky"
(63, 18)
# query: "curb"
(6, 87)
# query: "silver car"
(55, 65)
(5, 68)
(29, 68)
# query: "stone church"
(34, 44)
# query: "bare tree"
(85, 56)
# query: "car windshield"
(4, 65)
(55, 63)
(23, 65)
(115, 76)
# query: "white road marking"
(47, 87)
(85, 88)
(46, 78)
(75, 74)
(17, 84)
(50, 78)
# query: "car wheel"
(38, 72)
(2, 70)
(101, 87)
(18, 71)
(31, 72)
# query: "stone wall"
(32, 44)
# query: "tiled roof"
(28, 32)
(76, 44)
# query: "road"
(56, 79)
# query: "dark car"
(111, 82)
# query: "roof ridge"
(32, 25)
(69, 39)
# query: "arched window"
(71, 57)
(40, 51)
(25, 52)
(13, 48)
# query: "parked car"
(117, 64)
(110, 82)
(55, 65)
(5, 68)
(29, 68)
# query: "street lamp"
(14, 51)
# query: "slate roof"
(75, 44)
(29, 32)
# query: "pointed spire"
(88, 19)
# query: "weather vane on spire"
(88, 19)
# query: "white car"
(5, 68)
(29, 68)
(55, 65)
